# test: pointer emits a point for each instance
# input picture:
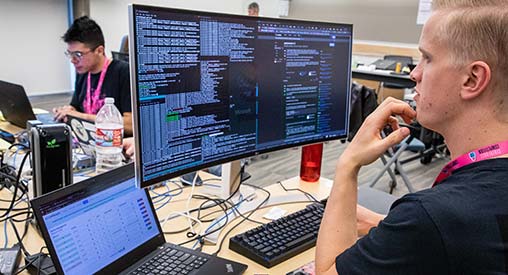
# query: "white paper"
(275, 213)
(424, 9)
(283, 7)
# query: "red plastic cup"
(310, 166)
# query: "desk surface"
(11, 128)
(295, 201)
(383, 76)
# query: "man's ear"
(476, 81)
(100, 49)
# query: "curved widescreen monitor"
(209, 88)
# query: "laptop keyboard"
(171, 261)
(46, 118)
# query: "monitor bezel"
(135, 100)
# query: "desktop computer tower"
(51, 149)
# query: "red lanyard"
(91, 105)
(487, 152)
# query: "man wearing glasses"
(97, 76)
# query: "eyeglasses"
(76, 55)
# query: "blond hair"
(476, 30)
(454, 4)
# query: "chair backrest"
(124, 45)
(120, 56)
(363, 102)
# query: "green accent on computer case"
(52, 144)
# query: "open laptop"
(385, 64)
(16, 107)
(106, 225)
(84, 132)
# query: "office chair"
(123, 53)
(363, 102)
(425, 143)
(393, 154)
(375, 200)
(434, 146)
(120, 56)
(124, 45)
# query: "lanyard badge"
(93, 102)
(487, 152)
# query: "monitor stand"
(188, 178)
(230, 179)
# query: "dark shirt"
(458, 227)
(116, 84)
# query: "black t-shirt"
(116, 84)
(458, 227)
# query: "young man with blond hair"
(460, 225)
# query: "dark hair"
(253, 5)
(86, 31)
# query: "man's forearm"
(127, 128)
(338, 229)
(127, 124)
(367, 219)
(85, 116)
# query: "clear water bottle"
(109, 137)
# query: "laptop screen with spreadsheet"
(94, 227)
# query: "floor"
(284, 164)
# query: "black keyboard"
(171, 261)
(279, 240)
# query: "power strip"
(40, 263)
(9, 260)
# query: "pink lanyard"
(91, 105)
(487, 152)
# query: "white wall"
(267, 8)
(31, 51)
(112, 15)
(374, 20)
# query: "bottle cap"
(109, 100)
(398, 67)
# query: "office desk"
(8, 127)
(11, 128)
(383, 76)
(34, 242)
